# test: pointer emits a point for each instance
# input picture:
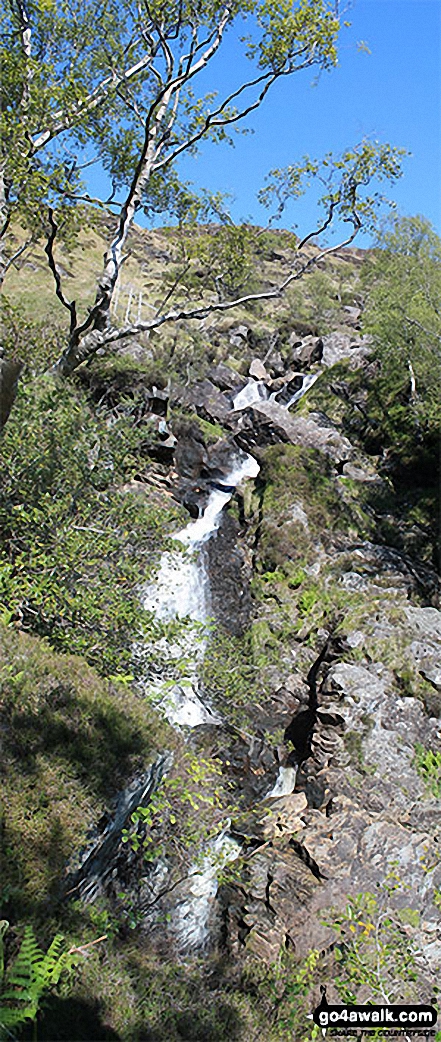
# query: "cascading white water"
(285, 783)
(254, 391)
(181, 591)
(191, 915)
(308, 380)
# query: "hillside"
(220, 692)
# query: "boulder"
(306, 351)
(352, 315)
(229, 578)
(226, 378)
(208, 400)
(338, 346)
(239, 336)
(274, 424)
(257, 370)
(190, 453)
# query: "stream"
(181, 591)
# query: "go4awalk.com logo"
(399, 1021)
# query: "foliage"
(36, 346)
(284, 993)
(428, 765)
(375, 953)
(343, 179)
(230, 675)
(75, 548)
(296, 478)
(29, 976)
(402, 313)
(226, 259)
(131, 100)
(185, 811)
(62, 95)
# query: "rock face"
(270, 423)
(229, 578)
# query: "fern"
(32, 973)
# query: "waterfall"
(256, 390)
(191, 915)
(253, 392)
(181, 591)
(308, 380)
(285, 783)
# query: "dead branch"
(70, 305)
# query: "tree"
(118, 78)
(403, 315)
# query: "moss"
(70, 741)
(293, 476)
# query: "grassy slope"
(155, 259)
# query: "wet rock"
(229, 578)
(219, 459)
(194, 499)
(98, 863)
(191, 454)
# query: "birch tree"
(118, 79)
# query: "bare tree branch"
(203, 310)
(70, 305)
(18, 253)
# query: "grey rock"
(226, 378)
(425, 621)
(301, 430)
(239, 336)
(433, 676)
(257, 370)
(307, 351)
(338, 346)
(208, 401)
(229, 578)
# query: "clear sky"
(392, 94)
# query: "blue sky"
(392, 94)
